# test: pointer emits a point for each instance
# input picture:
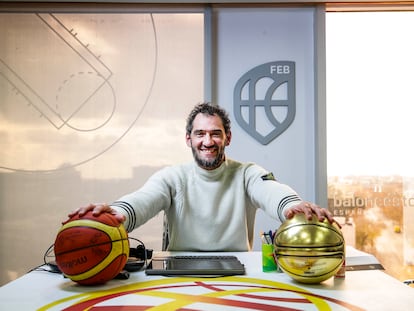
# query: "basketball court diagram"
(53, 78)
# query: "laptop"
(196, 265)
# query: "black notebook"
(195, 265)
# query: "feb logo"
(264, 100)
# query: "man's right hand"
(97, 209)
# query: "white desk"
(360, 290)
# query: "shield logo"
(264, 100)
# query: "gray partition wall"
(266, 69)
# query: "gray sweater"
(208, 210)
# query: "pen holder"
(268, 259)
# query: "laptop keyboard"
(208, 257)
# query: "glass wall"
(91, 105)
(369, 124)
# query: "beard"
(209, 164)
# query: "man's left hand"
(310, 209)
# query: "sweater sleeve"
(145, 203)
(268, 194)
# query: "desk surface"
(257, 290)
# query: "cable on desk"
(137, 260)
(408, 282)
(48, 265)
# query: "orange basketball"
(91, 250)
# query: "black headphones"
(138, 257)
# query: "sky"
(370, 99)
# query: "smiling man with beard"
(210, 203)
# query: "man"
(210, 203)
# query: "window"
(369, 124)
(91, 105)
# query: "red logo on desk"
(200, 294)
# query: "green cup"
(268, 259)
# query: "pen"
(268, 239)
(262, 236)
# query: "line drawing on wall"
(51, 75)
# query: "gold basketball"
(309, 251)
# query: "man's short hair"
(210, 109)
